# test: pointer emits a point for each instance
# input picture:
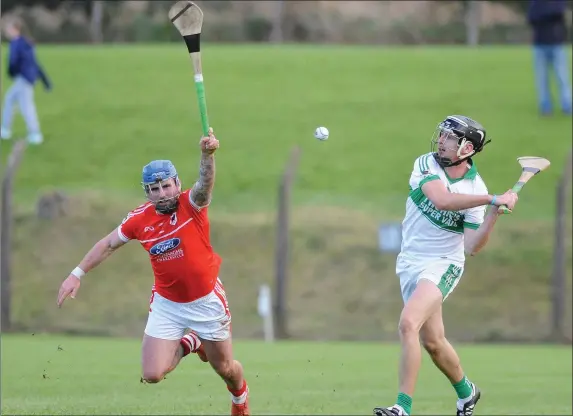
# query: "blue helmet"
(158, 170)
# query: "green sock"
(405, 402)
(463, 388)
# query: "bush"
(257, 29)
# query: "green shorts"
(443, 273)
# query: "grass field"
(61, 376)
(381, 106)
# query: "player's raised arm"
(97, 254)
(201, 192)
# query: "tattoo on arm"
(201, 193)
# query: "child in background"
(25, 70)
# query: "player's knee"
(433, 345)
(408, 325)
(153, 377)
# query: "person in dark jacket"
(25, 70)
(547, 19)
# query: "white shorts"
(443, 273)
(208, 317)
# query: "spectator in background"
(25, 70)
(547, 19)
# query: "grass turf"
(44, 374)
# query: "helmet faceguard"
(161, 185)
(450, 138)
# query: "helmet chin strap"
(451, 164)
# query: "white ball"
(321, 133)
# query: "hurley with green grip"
(530, 166)
(187, 17)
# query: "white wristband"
(78, 272)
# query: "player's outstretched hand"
(210, 143)
(70, 288)
(509, 199)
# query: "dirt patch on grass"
(340, 286)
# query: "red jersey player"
(173, 227)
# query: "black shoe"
(469, 406)
(387, 411)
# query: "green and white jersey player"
(445, 219)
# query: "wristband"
(493, 200)
(78, 272)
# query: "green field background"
(115, 108)
(51, 375)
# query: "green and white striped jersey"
(431, 234)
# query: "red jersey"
(184, 263)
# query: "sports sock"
(463, 388)
(239, 396)
(405, 402)
(190, 343)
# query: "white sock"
(192, 341)
(240, 399)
